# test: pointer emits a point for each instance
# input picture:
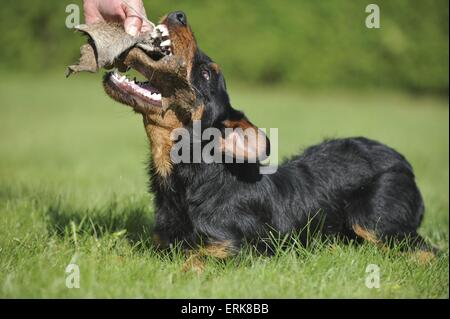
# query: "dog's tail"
(418, 243)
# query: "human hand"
(117, 10)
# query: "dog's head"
(180, 88)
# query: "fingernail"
(132, 30)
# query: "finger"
(91, 19)
(133, 25)
(136, 8)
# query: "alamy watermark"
(373, 19)
(73, 276)
(73, 273)
(73, 17)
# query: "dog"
(353, 188)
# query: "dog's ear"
(244, 141)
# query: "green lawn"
(73, 179)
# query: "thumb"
(133, 25)
(146, 27)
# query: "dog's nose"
(179, 17)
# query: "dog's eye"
(206, 74)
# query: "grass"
(73, 188)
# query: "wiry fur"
(336, 186)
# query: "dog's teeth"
(165, 43)
(161, 28)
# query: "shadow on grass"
(133, 218)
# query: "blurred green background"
(73, 162)
(314, 44)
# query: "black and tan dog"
(353, 188)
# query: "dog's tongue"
(106, 42)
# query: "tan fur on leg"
(424, 257)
